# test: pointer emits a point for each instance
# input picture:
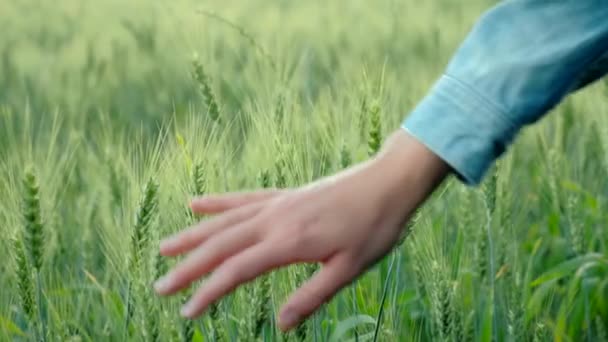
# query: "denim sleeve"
(518, 62)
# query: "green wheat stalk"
(374, 141)
(362, 121)
(345, 158)
(383, 300)
(146, 213)
(23, 275)
(33, 233)
(279, 111)
(204, 84)
(280, 175)
(490, 191)
(140, 238)
(34, 237)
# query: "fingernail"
(187, 310)
(163, 284)
(289, 318)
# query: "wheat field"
(114, 114)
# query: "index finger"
(212, 204)
(188, 239)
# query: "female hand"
(346, 222)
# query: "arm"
(521, 59)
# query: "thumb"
(335, 274)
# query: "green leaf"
(567, 268)
(535, 304)
(601, 296)
(585, 277)
(198, 336)
(486, 327)
(11, 327)
(350, 323)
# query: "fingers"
(207, 256)
(190, 238)
(219, 203)
(335, 274)
(239, 269)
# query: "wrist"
(408, 170)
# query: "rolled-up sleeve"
(519, 61)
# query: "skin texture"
(346, 222)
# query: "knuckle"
(180, 275)
(356, 264)
(188, 236)
(301, 236)
(265, 221)
(284, 203)
(233, 272)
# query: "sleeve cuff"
(460, 126)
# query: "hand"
(346, 222)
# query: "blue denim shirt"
(518, 62)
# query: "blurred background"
(131, 60)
